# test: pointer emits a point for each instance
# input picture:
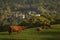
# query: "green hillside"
(33, 34)
(11, 11)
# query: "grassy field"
(32, 34)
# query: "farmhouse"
(26, 12)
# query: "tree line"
(50, 12)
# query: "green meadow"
(33, 34)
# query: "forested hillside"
(12, 11)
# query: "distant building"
(33, 13)
(37, 14)
(26, 12)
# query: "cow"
(39, 29)
(47, 26)
(15, 29)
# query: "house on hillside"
(26, 12)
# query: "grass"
(32, 34)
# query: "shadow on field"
(49, 33)
(10, 39)
(6, 33)
(3, 33)
(55, 35)
(53, 38)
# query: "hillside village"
(13, 12)
(26, 13)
